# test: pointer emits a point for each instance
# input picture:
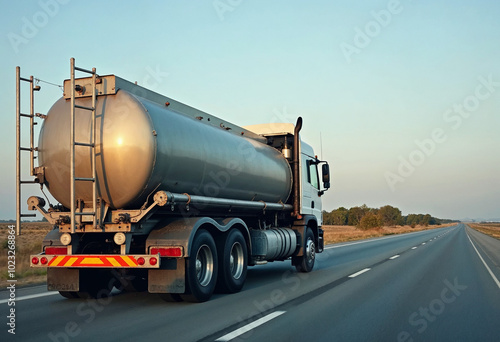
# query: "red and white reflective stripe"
(105, 261)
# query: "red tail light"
(141, 261)
(34, 261)
(153, 261)
(56, 250)
(173, 252)
(43, 260)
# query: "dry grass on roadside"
(335, 234)
(30, 242)
(491, 229)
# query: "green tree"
(426, 220)
(339, 216)
(370, 220)
(390, 216)
(355, 214)
(327, 218)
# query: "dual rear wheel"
(210, 265)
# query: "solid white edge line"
(485, 265)
(358, 273)
(250, 326)
(394, 257)
(51, 293)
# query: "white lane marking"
(423, 243)
(51, 293)
(394, 257)
(485, 265)
(358, 273)
(414, 248)
(250, 326)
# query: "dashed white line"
(394, 257)
(423, 243)
(250, 326)
(51, 293)
(414, 248)
(358, 273)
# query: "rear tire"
(233, 261)
(305, 263)
(201, 268)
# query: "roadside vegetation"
(364, 218)
(345, 233)
(30, 242)
(491, 229)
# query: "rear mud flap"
(170, 280)
(63, 279)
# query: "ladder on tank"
(19, 148)
(77, 209)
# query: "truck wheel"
(232, 263)
(201, 268)
(306, 262)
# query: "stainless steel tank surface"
(143, 146)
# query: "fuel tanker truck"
(156, 195)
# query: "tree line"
(364, 217)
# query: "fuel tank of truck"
(143, 147)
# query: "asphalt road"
(437, 285)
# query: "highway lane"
(428, 285)
(440, 291)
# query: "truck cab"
(280, 136)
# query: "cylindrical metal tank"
(143, 147)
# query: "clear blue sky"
(406, 94)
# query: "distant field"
(336, 234)
(491, 229)
(30, 242)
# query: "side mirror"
(325, 170)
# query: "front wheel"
(201, 268)
(306, 261)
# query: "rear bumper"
(95, 261)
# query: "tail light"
(174, 252)
(34, 261)
(56, 250)
(43, 260)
